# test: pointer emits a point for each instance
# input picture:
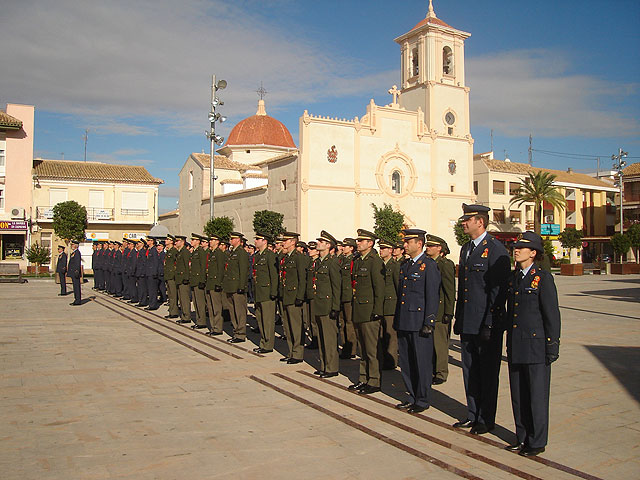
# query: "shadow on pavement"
(621, 294)
(624, 363)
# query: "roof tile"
(92, 171)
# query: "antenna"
(492, 139)
(86, 137)
(530, 150)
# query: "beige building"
(121, 200)
(16, 156)
(415, 153)
(590, 204)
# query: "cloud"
(152, 59)
(169, 192)
(530, 91)
(120, 157)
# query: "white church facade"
(415, 153)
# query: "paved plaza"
(107, 390)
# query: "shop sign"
(549, 229)
(102, 215)
(12, 225)
(134, 235)
(96, 236)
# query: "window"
(396, 182)
(45, 240)
(283, 184)
(134, 203)
(513, 188)
(415, 68)
(450, 130)
(1, 199)
(475, 187)
(453, 188)
(515, 216)
(96, 198)
(57, 195)
(498, 187)
(447, 61)
(190, 180)
(498, 216)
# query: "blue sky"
(137, 74)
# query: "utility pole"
(619, 165)
(492, 140)
(530, 150)
(86, 137)
(211, 134)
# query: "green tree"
(388, 223)
(220, 226)
(38, 255)
(268, 222)
(461, 237)
(571, 238)
(538, 188)
(70, 221)
(633, 232)
(621, 244)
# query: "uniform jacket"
(61, 264)
(307, 275)
(265, 275)
(293, 277)
(198, 269)
(215, 268)
(419, 296)
(95, 260)
(391, 279)
(170, 263)
(182, 265)
(118, 262)
(75, 263)
(151, 264)
(447, 287)
(533, 316)
(326, 284)
(236, 270)
(481, 285)
(141, 263)
(368, 287)
(346, 267)
(161, 257)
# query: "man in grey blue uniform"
(414, 322)
(483, 271)
(74, 270)
(533, 343)
(61, 270)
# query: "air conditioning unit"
(548, 219)
(17, 213)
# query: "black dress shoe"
(416, 409)
(328, 374)
(438, 381)
(367, 389)
(263, 350)
(255, 329)
(480, 428)
(356, 386)
(318, 372)
(345, 356)
(74, 304)
(531, 452)
(171, 316)
(236, 340)
(151, 309)
(215, 334)
(464, 424)
(404, 405)
(293, 361)
(183, 321)
(199, 327)
(516, 447)
(284, 359)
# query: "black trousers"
(163, 289)
(152, 291)
(530, 384)
(63, 283)
(480, 370)
(415, 357)
(77, 293)
(143, 291)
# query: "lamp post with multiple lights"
(619, 165)
(215, 139)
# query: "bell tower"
(432, 75)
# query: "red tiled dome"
(260, 129)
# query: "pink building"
(16, 161)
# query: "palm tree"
(537, 189)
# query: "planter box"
(572, 269)
(32, 269)
(623, 268)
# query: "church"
(416, 153)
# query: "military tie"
(471, 249)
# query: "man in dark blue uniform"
(141, 275)
(74, 269)
(151, 274)
(414, 322)
(483, 271)
(533, 343)
(61, 270)
(118, 261)
(95, 265)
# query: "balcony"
(134, 212)
(45, 213)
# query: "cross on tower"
(396, 93)
(261, 92)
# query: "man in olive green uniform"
(216, 260)
(197, 280)
(388, 335)
(368, 302)
(265, 276)
(347, 329)
(182, 279)
(398, 252)
(292, 289)
(234, 286)
(325, 303)
(170, 276)
(437, 249)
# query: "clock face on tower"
(450, 118)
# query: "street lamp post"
(211, 134)
(619, 165)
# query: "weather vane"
(261, 92)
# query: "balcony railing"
(134, 212)
(93, 214)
